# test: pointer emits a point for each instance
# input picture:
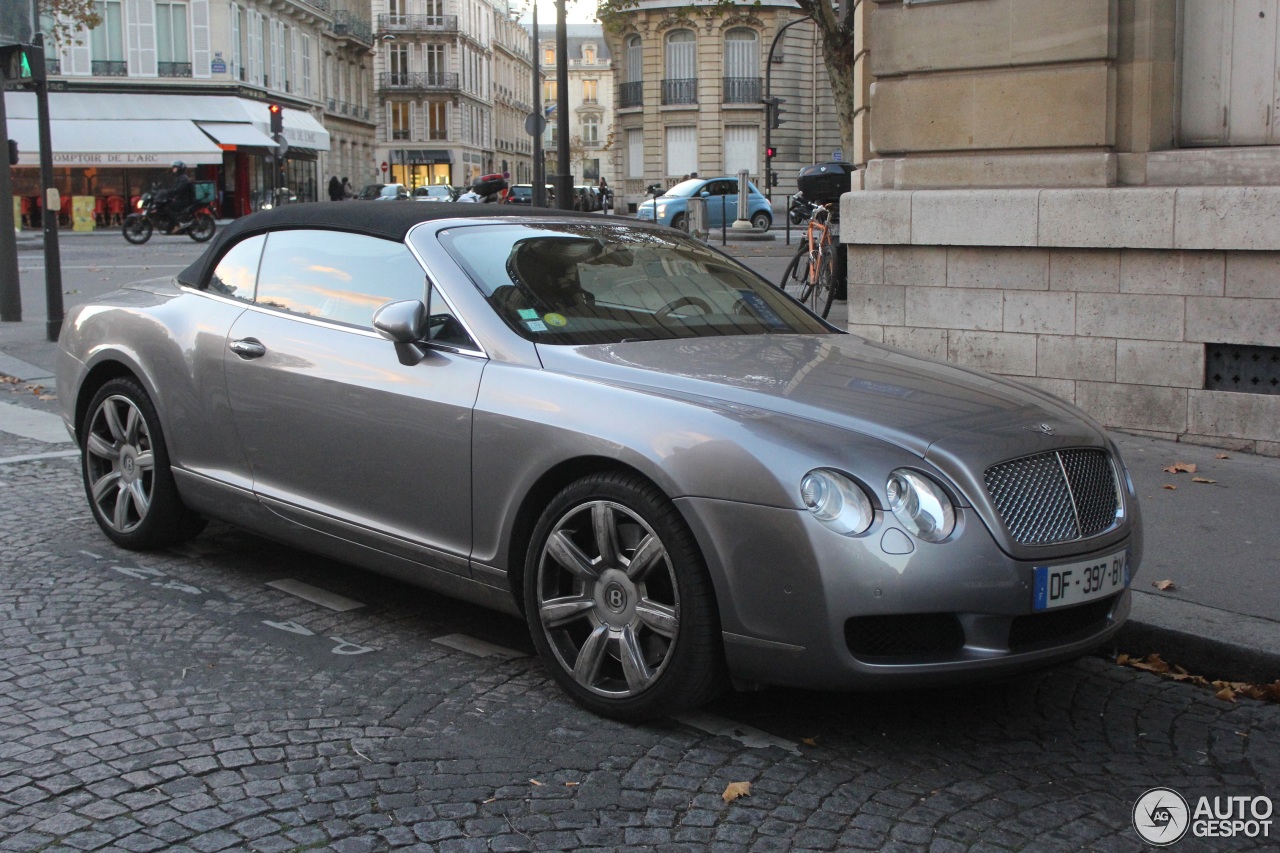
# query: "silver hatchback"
(675, 473)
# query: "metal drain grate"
(1247, 369)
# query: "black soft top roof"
(390, 220)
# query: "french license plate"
(1076, 583)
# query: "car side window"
(722, 188)
(235, 274)
(443, 326)
(334, 275)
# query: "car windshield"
(371, 191)
(433, 191)
(684, 189)
(578, 283)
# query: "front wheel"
(619, 601)
(137, 229)
(795, 279)
(761, 221)
(826, 284)
(125, 466)
(678, 221)
(202, 228)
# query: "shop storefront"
(110, 148)
(415, 167)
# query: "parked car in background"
(586, 198)
(523, 194)
(383, 192)
(435, 192)
(678, 476)
(671, 208)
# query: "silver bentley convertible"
(678, 475)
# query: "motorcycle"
(151, 216)
(800, 209)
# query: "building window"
(237, 54)
(590, 91)
(680, 85)
(549, 57)
(437, 120)
(106, 42)
(589, 54)
(306, 67)
(433, 58)
(171, 33)
(682, 150)
(398, 60)
(591, 130)
(401, 117)
(635, 60)
(635, 153)
(741, 149)
(741, 67)
(549, 91)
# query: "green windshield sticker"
(528, 314)
(536, 325)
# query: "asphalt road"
(189, 700)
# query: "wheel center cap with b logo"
(615, 597)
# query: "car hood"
(842, 380)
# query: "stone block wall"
(1104, 297)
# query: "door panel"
(332, 423)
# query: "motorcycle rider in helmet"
(179, 198)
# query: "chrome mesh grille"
(1053, 497)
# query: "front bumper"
(805, 607)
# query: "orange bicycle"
(811, 275)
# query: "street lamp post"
(770, 105)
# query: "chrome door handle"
(248, 348)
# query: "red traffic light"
(770, 152)
(277, 118)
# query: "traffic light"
(13, 152)
(770, 153)
(277, 117)
(773, 178)
(778, 111)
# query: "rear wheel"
(619, 602)
(125, 467)
(826, 284)
(137, 229)
(203, 228)
(795, 279)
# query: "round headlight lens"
(920, 505)
(836, 501)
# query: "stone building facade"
(1084, 196)
(590, 99)
(689, 86)
(449, 74)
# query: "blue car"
(722, 204)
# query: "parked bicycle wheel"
(826, 285)
(795, 279)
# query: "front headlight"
(920, 505)
(661, 210)
(836, 501)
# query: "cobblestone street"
(175, 701)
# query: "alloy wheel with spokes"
(619, 602)
(119, 463)
(125, 466)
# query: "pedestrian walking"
(348, 191)
(335, 189)
(606, 196)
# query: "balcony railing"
(428, 81)
(684, 91)
(322, 5)
(109, 68)
(174, 69)
(742, 90)
(631, 94)
(417, 23)
(347, 24)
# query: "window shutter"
(294, 77)
(200, 39)
(307, 91)
(78, 57)
(635, 60)
(682, 150)
(635, 153)
(741, 150)
(142, 37)
(236, 59)
(680, 59)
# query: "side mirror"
(404, 324)
(705, 194)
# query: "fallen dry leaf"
(735, 790)
(1226, 694)
(1221, 456)
(1202, 480)
(1152, 663)
(1123, 659)
(1164, 585)
(809, 741)
(1170, 488)
(1183, 467)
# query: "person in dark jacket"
(180, 197)
(335, 188)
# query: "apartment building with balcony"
(436, 65)
(163, 80)
(590, 99)
(689, 86)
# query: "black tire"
(678, 221)
(126, 473)
(761, 221)
(630, 644)
(202, 230)
(795, 281)
(136, 229)
(826, 286)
